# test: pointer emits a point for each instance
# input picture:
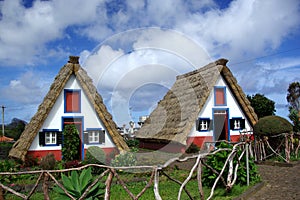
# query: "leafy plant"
(95, 155)
(71, 143)
(217, 162)
(77, 184)
(9, 166)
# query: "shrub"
(9, 166)
(133, 143)
(77, 184)
(217, 161)
(124, 160)
(30, 161)
(272, 125)
(48, 162)
(71, 143)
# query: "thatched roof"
(21, 147)
(175, 114)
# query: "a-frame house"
(72, 99)
(202, 106)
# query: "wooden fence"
(48, 176)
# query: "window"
(50, 137)
(203, 124)
(237, 123)
(72, 101)
(220, 96)
(94, 136)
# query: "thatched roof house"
(52, 108)
(191, 98)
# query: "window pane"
(72, 101)
(220, 96)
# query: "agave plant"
(77, 184)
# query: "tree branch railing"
(156, 171)
(287, 145)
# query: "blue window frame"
(220, 96)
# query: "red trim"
(57, 153)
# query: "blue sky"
(134, 49)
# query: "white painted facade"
(234, 111)
(90, 120)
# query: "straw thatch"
(176, 113)
(21, 147)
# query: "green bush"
(133, 143)
(217, 162)
(71, 143)
(77, 184)
(9, 166)
(272, 125)
(124, 160)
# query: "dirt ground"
(279, 183)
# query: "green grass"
(168, 190)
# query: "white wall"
(232, 105)
(54, 119)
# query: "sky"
(134, 49)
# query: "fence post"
(247, 163)
(1, 194)
(46, 186)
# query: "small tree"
(71, 143)
(262, 105)
(293, 98)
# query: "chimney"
(73, 59)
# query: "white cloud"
(201, 31)
(29, 89)
(24, 32)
